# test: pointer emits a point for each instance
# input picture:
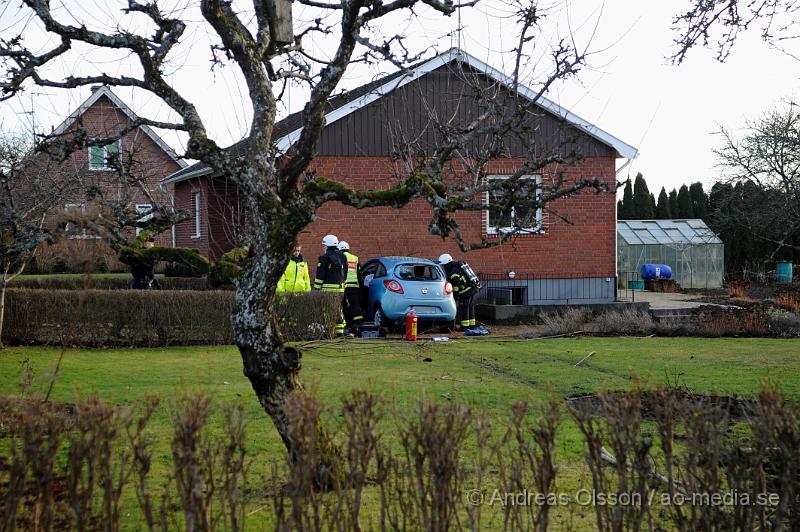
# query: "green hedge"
(112, 283)
(147, 318)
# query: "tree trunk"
(272, 367)
(2, 308)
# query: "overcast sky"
(629, 89)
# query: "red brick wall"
(184, 201)
(582, 246)
(578, 240)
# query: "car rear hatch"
(423, 287)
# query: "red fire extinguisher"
(411, 326)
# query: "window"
(145, 214)
(522, 218)
(74, 210)
(99, 156)
(417, 272)
(196, 199)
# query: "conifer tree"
(684, 203)
(662, 207)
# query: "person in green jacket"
(295, 278)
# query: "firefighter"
(331, 271)
(352, 289)
(295, 277)
(465, 286)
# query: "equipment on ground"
(370, 330)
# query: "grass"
(487, 373)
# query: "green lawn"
(488, 373)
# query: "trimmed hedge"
(147, 318)
(113, 283)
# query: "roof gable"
(287, 131)
(363, 96)
(108, 93)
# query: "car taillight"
(393, 286)
(448, 288)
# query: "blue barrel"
(655, 271)
(783, 271)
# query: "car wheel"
(381, 320)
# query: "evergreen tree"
(673, 203)
(684, 203)
(627, 202)
(620, 214)
(652, 205)
(699, 200)
(643, 208)
(662, 207)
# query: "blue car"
(395, 286)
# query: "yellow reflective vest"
(353, 270)
(295, 278)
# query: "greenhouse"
(695, 254)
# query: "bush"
(77, 256)
(623, 322)
(566, 322)
(67, 283)
(308, 315)
(225, 271)
(143, 318)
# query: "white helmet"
(445, 258)
(344, 246)
(330, 240)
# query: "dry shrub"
(78, 255)
(784, 323)
(788, 298)
(627, 322)
(697, 458)
(143, 318)
(423, 479)
(737, 288)
(724, 321)
(567, 322)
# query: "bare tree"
(765, 161)
(718, 23)
(27, 194)
(281, 195)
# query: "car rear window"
(417, 272)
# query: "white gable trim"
(105, 91)
(623, 149)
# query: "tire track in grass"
(503, 372)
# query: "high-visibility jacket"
(353, 270)
(295, 278)
(461, 283)
(331, 271)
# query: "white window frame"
(105, 156)
(197, 213)
(537, 229)
(141, 209)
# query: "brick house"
(104, 114)
(569, 252)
